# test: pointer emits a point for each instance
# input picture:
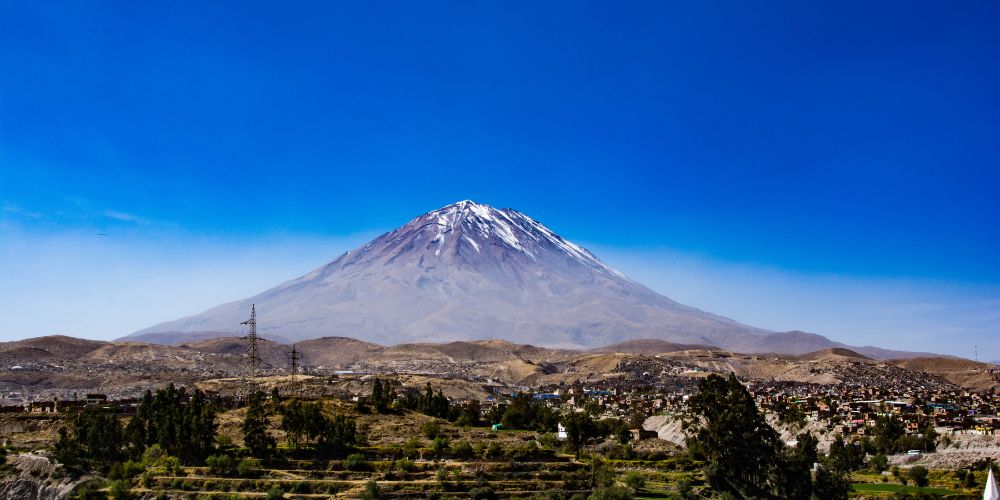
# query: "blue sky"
(795, 166)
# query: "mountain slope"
(468, 272)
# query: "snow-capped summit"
(479, 226)
(469, 271)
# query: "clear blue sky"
(858, 141)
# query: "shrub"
(439, 446)
(635, 481)
(371, 491)
(548, 440)
(482, 493)
(125, 470)
(355, 461)
(405, 465)
(220, 465)
(275, 493)
(493, 451)
(170, 464)
(611, 493)
(462, 449)
(411, 448)
(121, 489)
(152, 455)
(249, 467)
(431, 429)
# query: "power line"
(251, 364)
(294, 358)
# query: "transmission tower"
(251, 365)
(294, 358)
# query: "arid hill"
(271, 353)
(52, 346)
(963, 372)
(836, 353)
(329, 352)
(64, 365)
(651, 346)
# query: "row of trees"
(386, 400)
(182, 425)
(525, 413)
(305, 423)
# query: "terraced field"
(323, 479)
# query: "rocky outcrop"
(34, 477)
(667, 428)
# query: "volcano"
(469, 271)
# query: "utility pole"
(251, 365)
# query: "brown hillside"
(959, 371)
(335, 352)
(831, 354)
(271, 353)
(650, 346)
(59, 346)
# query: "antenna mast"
(251, 366)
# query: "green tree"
(182, 424)
(338, 435)
(68, 451)
(91, 437)
(580, 429)
(887, 433)
(255, 435)
(791, 415)
(918, 474)
(845, 457)
(383, 396)
(729, 432)
(302, 421)
(830, 485)
(879, 463)
(792, 477)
